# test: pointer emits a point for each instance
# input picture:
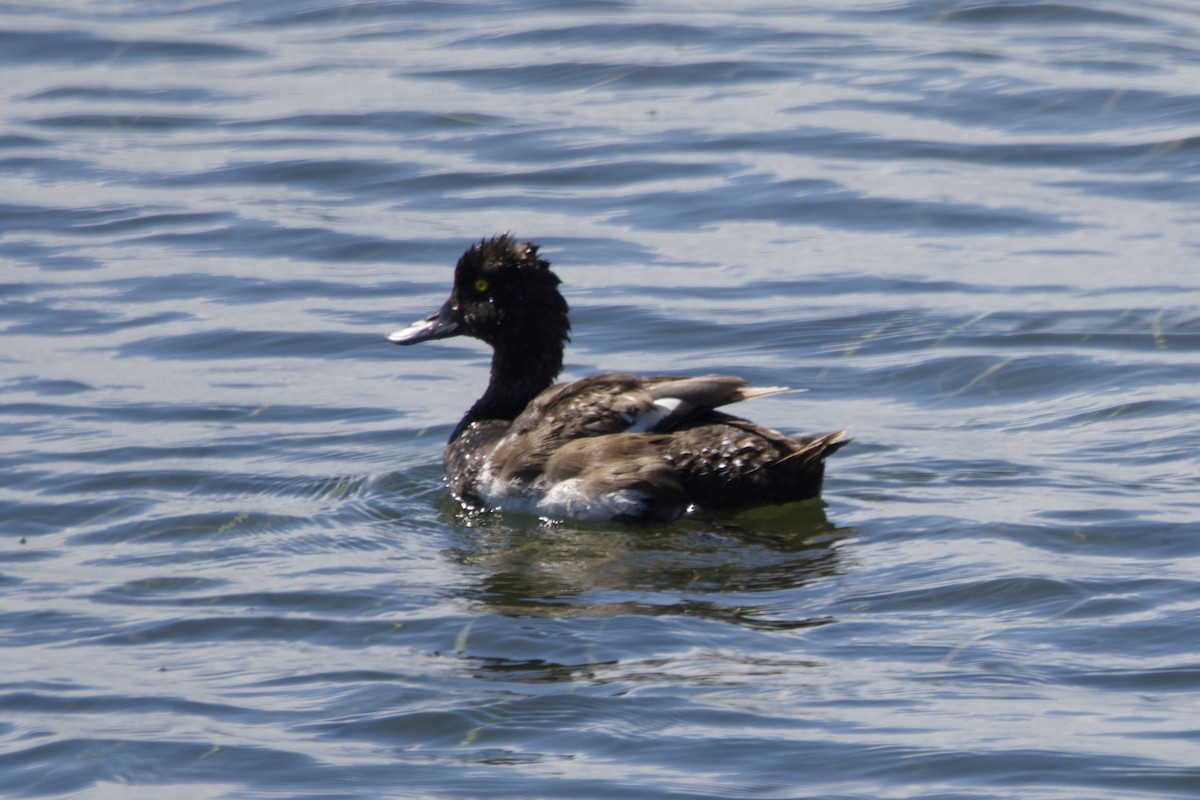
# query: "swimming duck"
(610, 446)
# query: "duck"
(611, 446)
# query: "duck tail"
(816, 449)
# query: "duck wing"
(615, 402)
(626, 443)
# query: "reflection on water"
(742, 573)
(694, 567)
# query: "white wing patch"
(647, 419)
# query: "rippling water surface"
(229, 568)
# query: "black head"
(503, 294)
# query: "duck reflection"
(706, 568)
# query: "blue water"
(228, 565)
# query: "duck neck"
(518, 375)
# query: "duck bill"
(441, 324)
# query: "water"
(228, 567)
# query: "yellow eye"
(481, 285)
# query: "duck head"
(504, 294)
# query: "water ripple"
(226, 551)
